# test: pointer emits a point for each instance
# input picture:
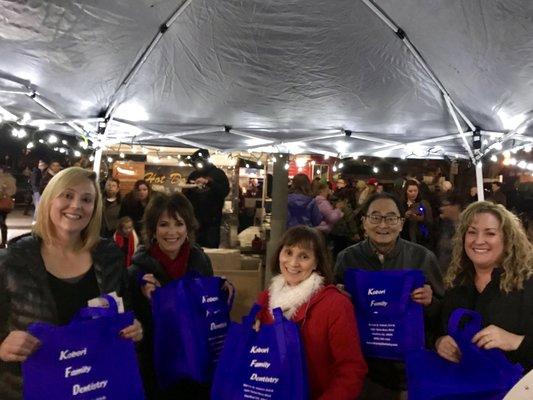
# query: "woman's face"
(484, 241)
(296, 263)
(71, 211)
(412, 192)
(170, 234)
(142, 192)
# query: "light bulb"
(375, 170)
(395, 168)
(52, 139)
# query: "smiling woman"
(491, 272)
(169, 251)
(49, 275)
(302, 289)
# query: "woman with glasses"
(383, 249)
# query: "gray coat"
(25, 295)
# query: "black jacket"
(25, 295)
(208, 201)
(405, 255)
(510, 311)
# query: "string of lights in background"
(24, 128)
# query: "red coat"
(335, 364)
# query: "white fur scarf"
(290, 298)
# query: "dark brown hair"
(308, 238)
(175, 204)
(301, 185)
(411, 182)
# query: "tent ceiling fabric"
(282, 70)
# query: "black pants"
(209, 236)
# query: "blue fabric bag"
(191, 317)
(389, 322)
(263, 365)
(480, 375)
(86, 359)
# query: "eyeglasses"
(389, 219)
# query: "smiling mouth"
(480, 251)
(292, 271)
(74, 217)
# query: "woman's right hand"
(448, 349)
(150, 283)
(18, 346)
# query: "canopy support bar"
(460, 129)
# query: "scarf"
(174, 268)
(290, 298)
(132, 242)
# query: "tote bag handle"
(98, 312)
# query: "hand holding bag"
(390, 323)
(480, 375)
(263, 365)
(86, 359)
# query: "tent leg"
(278, 221)
(479, 181)
(97, 162)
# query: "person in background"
(418, 216)
(302, 287)
(208, 197)
(111, 209)
(450, 211)
(492, 273)
(472, 195)
(379, 188)
(50, 274)
(301, 206)
(369, 189)
(497, 196)
(383, 249)
(135, 202)
(48, 174)
(8, 188)
(35, 183)
(126, 239)
(331, 215)
(169, 252)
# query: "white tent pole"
(97, 162)
(479, 181)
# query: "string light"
(334, 169)
(286, 166)
(64, 142)
(30, 145)
(341, 165)
(122, 155)
(109, 159)
(52, 139)
(91, 158)
(395, 168)
(494, 158)
(77, 153)
(375, 170)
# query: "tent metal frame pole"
(66, 120)
(418, 142)
(194, 144)
(143, 57)
(479, 181)
(460, 129)
(98, 161)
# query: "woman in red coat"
(302, 289)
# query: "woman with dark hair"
(302, 288)
(135, 202)
(302, 208)
(51, 274)
(491, 272)
(169, 252)
(418, 216)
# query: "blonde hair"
(517, 258)
(44, 227)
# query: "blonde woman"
(491, 272)
(52, 273)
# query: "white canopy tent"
(411, 78)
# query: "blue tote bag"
(389, 322)
(191, 317)
(480, 375)
(86, 359)
(263, 365)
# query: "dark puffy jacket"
(302, 210)
(25, 295)
(144, 263)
